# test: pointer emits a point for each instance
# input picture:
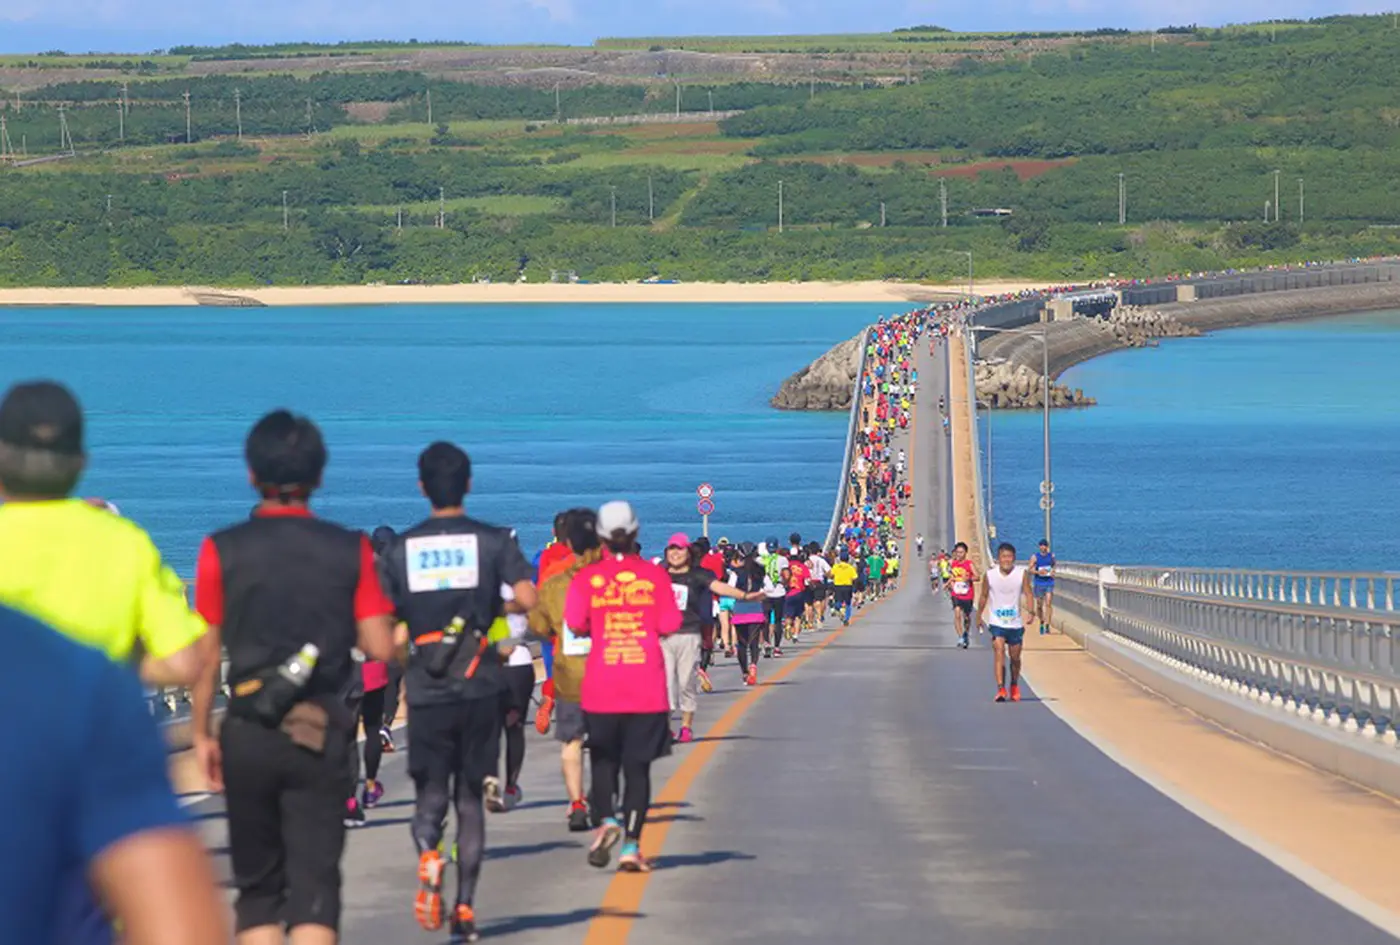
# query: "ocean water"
(557, 405)
(1270, 447)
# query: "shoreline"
(494, 293)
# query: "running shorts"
(568, 722)
(797, 604)
(726, 605)
(1012, 635)
(820, 591)
(637, 738)
(843, 594)
(773, 608)
(1041, 590)
(455, 739)
(964, 605)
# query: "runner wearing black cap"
(445, 576)
(289, 596)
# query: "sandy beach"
(707, 292)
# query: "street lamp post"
(1047, 485)
(968, 254)
(991, 521)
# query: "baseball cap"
(723, 541)
(678, 540)
(1044, 543)
(43, 416)
(616, 516)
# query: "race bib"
(442, 563)
(961, 587)
(1009, 614)
(574, 645)
(682, 592)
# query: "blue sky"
(140, 25)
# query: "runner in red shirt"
(962, 581)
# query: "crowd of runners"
(325, 632)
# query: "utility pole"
(310, 126)
(7, 151)
(126, 98)
(1300, 201)
(943, 200)
(712, 101)
(121, 122)
(238, 112)
(442, 209)
(109, 204)
(558, 112)
(188, 136)
(284, 212)
(613, 198)
(678, 100)
(811, 87)
(65, 139)
(430, 107)
(882, 214)
(1267, 207)
(651, 202)
(400, 220)
(1276, 203)
(1122, 200)
(780, 206)
(1154, 40)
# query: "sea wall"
(1241, 310)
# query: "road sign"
(1047, 503)
(705, 491)
(1046, 488)
(705, 507)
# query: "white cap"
(616, 516)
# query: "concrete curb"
(1371, 765)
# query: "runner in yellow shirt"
(843, 578)
(90, 574)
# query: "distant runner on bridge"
(1006, 594)
(1042, 567)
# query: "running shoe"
(578, 817)
(768, 652)
(491, 794)
(1001, 694)
(1044, 629)
(427, 905)
(729, 652)
(386, 740)
(777, 651)
(1015, 693)
(354, 813)
(604, 839)
(686, 735)
(706, 683)
(543, 715)
(513, 797)
(463, 925)
(752, 678)
(630, 859)
(372, 794)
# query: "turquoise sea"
(1271, 447)
(557, 405)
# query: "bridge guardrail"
(1378, 590)
(1337, 665)
(852, 425)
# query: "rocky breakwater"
(825, 384)
(1009, 366)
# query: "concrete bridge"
(870, 791)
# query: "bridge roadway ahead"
(869, 791)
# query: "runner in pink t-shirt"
(625, 604)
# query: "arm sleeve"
(577, 607)
(167, 625)
(209, 584)
(124, 789)
(370, 599)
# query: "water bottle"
(282, 689)
(297, 670)
(440, 658)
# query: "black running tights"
(636, 791)
(748, 635)
(372, 718)
(430, 815)
(515, 750)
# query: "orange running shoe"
(752, 678)
(542, 716)
(464, 924)
(1001, 694)
(427, 907)
(1015, 693)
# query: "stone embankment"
(825, 384)
(1240, 310)
(1009, 366)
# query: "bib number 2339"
(442, 563)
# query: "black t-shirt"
(693, 597)
(446, 568)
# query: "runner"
(579, 527)
(445, 576)
(374, 675)
(1006, 594)
(875, 573)
(624, 601)
(945, 570)
(961, 583)
(796, 577)
(774, 597)
(380, 539)
(554, 557)
(843, 579)
(818, 586)
(1042, 566)
(694, 588)
(919, 544)
(520, 686)
(750, 576)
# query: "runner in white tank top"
(1006, 599)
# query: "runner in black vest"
(445, 576)
(271, 588)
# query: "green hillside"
(1202, 125)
